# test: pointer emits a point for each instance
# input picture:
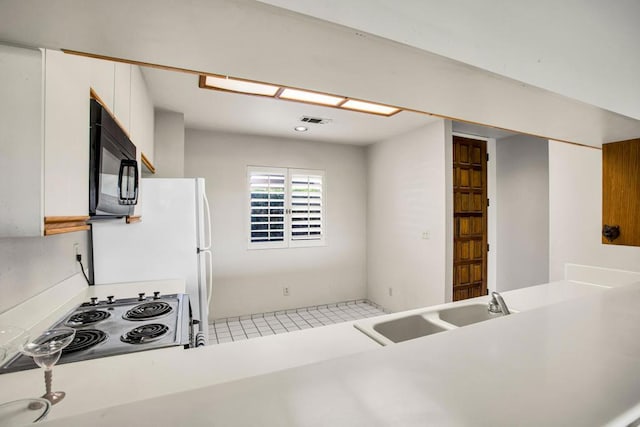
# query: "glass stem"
(48, 374)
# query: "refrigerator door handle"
(207, 220)
(209, 264)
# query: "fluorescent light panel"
(369, 107)
(312, 97)
(242, 86)
(255, 88)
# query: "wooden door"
(470, 218)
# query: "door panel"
(470, 218)
(621, 190)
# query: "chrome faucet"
(497, 304)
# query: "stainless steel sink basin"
(467, 314)
(407, 328)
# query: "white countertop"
(341, 370)
(572, 363)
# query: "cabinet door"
(621, 192)
(21, 85)
(66, 166)
(142, 118)
(142, 121)
(102, 76)
(122, 95)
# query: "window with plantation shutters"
(286, 207)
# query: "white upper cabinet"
(101, 77)
(66, 136)
(122, 96)
(142, 121)
(142, 116)
(21, 142)
(44, 134)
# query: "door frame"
(492, 217)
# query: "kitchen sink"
(407, 328)
(467, 314)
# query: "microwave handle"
(126, 165)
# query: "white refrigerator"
(173, 241)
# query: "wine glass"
(11, 338)
(46, 350)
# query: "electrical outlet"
(285, 291)
(426, 235)
(390, 292)
(76, 250)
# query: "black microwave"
(113, 169)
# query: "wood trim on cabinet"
(133, 219)
(147, 163)
(64, 224)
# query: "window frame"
(287, 241)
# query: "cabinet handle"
(611, 232)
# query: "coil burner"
(87, 318)
(145, 333)
(84, 340)
(148, 310)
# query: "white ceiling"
(257, 41)
(236, 113)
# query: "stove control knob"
(156, 295)
(141, 296)
(110, 299)
(94, 301)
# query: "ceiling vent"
(314, 120)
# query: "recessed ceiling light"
(242, 86)
(301, 128)
(312, 97)
(369, 107)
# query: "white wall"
(408, 195)
(575, 213)
(251, 281)
(31, 265)
(522, 212)
(169, 144)
(542, 43)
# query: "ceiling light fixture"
(236, 85)
(229, 84)
(311, 97)
(301, 128)
(369, 107)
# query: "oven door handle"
(130, 195)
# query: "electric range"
(111, 327)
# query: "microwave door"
(108, 189)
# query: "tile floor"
(278, 322)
